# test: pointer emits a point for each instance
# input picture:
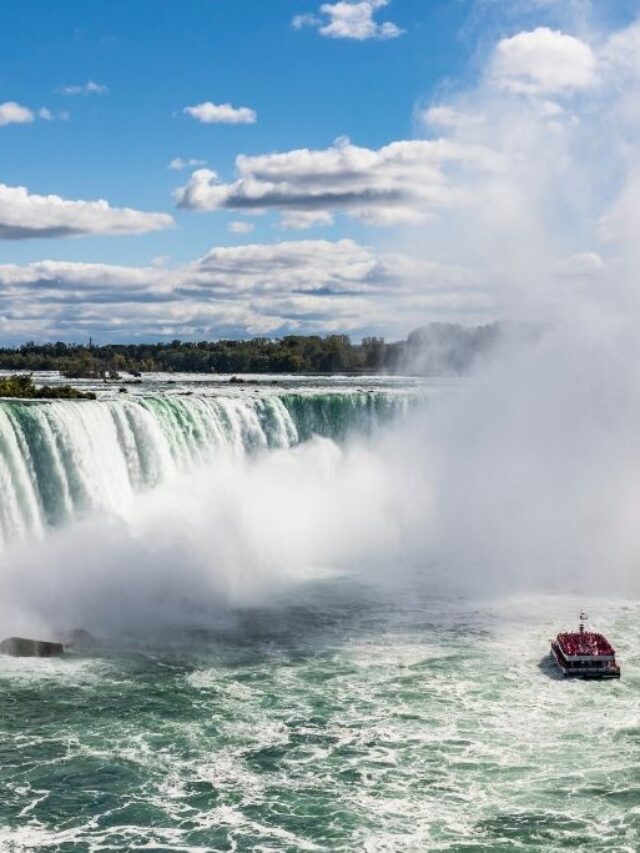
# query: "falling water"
(61, 460)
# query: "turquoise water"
(358, 707)
(352, 720)
(62, 460)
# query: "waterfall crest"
(61, 460)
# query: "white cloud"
(88, 88)
(306, 20)
(309, 286)
(399, 182)
(160, 261)
(298, 220)
(239, 226)
(349, 19)
(178, 164)
(47, 115)
(210, 113)
(382, 217)
(61, 275)
(543, 61)
(24, 215)
(300, 265)
(447, 117)
(13, 113)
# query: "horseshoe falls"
(62, 460)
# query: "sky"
(233, 168)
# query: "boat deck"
(604, 667)
(586, 644)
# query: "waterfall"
(60, 460)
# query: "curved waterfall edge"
(62, 460)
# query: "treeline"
(437, 349)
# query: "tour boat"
(584, 654)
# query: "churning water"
(344, 723)
(335, 713)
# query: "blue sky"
(101, 88)
(158, 56)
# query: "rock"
(237, 380)
(78, 639)
(21, 647)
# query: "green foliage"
(450, 348)
(22, 387)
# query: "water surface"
(349, 722)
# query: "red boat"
(584, 654)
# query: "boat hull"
(591, 673)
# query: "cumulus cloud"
(446, 117)
(70, 275)
(13, 113)
(543, 61)
(239, 226)
(299, 220)
(88, 88)
(397, 183)
(24, 215)
(210, 113)
(178, 164)
(302, 265)
(349, 19)
(307, 286)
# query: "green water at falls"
(60, 460)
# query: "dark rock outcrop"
(21, 647)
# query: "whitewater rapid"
(62, 460)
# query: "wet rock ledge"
(21, 647)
